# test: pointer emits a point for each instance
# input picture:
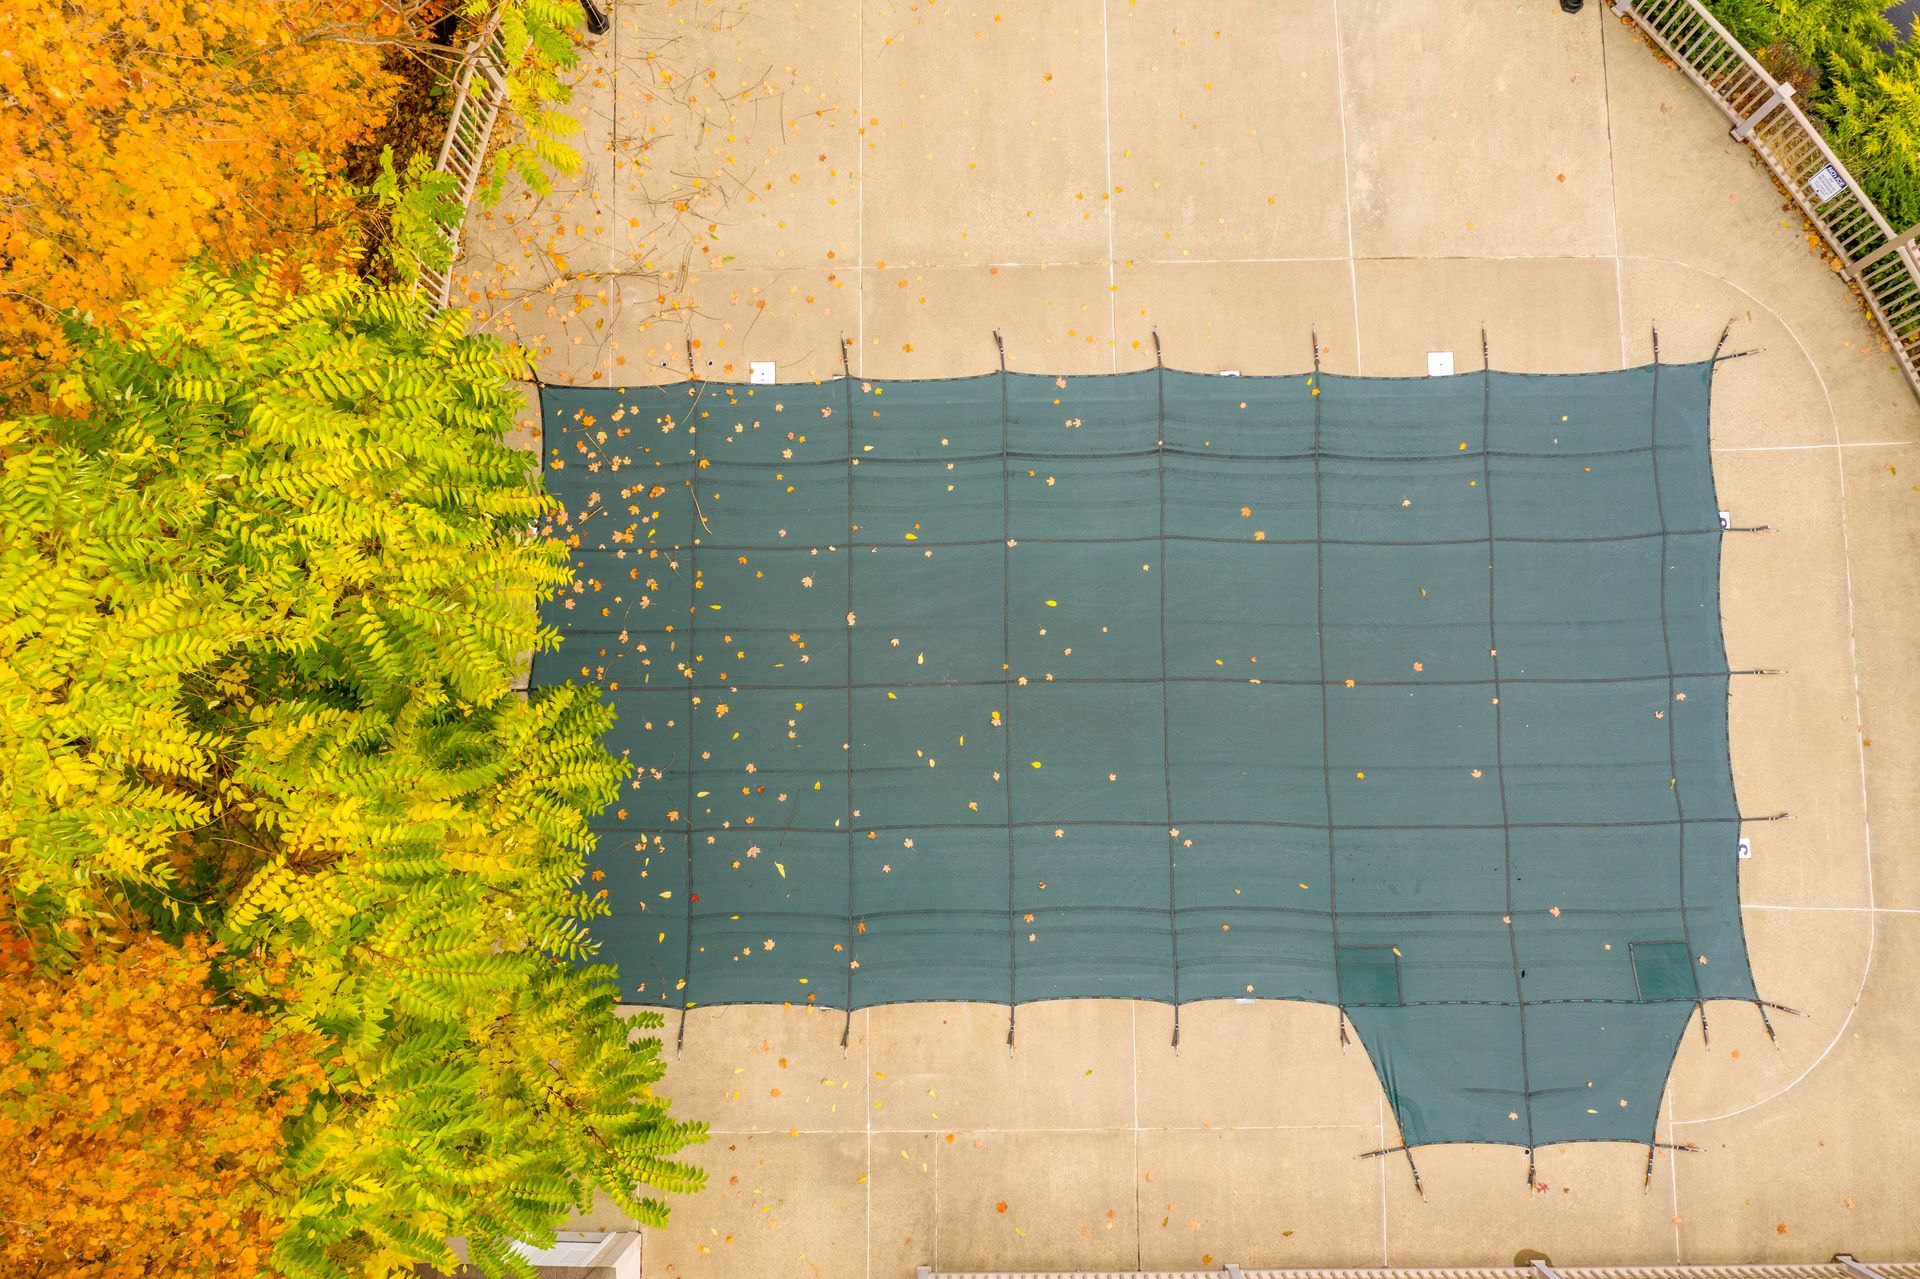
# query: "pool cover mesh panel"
(1407, 696)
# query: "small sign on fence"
(1826, 183)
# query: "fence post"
(1900, 241)
(1623, 9)
(1775, 100)
(1865, 1272)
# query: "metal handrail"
(1881, 263)
(479, 92)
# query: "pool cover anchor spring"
(1402, 1149)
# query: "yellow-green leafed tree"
(266, 574)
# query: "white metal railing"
(479, 91)
(1880, 262)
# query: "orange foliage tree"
(140, 1120)
(138, 135)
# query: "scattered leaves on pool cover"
(1408, 697)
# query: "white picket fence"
(1879, 260)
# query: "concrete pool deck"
(1077, 174)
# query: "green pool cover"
(1403, 695)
